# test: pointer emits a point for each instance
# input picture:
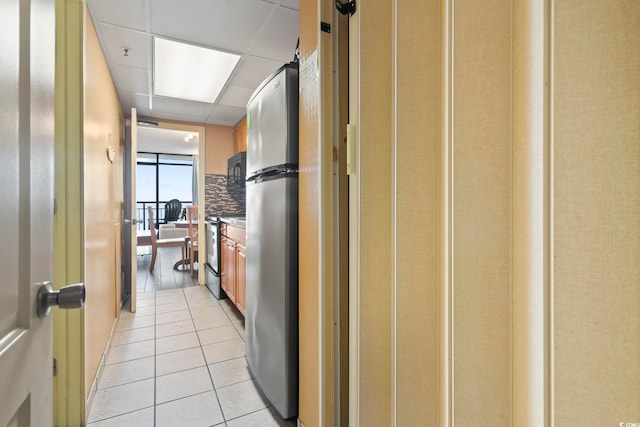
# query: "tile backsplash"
(219, 200)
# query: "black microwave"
(236, 170)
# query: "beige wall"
(416, 219)
(309, 217)
(219, 147)
(499, 196)
(481, 213)
(596, 212)
(103, 198)
(374, 167)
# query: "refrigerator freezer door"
(272, 290)
(272, 123)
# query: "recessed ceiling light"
(190, 72)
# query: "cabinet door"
(224, 281)
(241, 277)
(229, 259)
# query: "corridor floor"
(179, 361)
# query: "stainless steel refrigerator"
(271, 323)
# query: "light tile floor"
(163, 276)
(179, 361)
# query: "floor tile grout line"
(219, 342)
(252, 412)
(118, 415)
(128, 360)
(181, 370)
(224, 420)
(173, 351)
(236, 383)
(134, 342)
(186, 397)
(223, 361)
(123, 384)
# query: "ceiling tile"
(236, 96)
(179, 117)
(125, 13)
(129, 79)
(189, 108)
(138, 101)
(229, 25)
(279, 38)
(291, 4)
(169, 141)
(117, 38)
(226, 116)
(253, 70)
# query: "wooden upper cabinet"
(240, 136)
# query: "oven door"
(213, 246)
(212, 266)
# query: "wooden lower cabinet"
(241, 277)
(233, 266)
(228, 273)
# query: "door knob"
(133, 221)
(71, 296)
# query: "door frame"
(340, 194)
(354, 221)
(201, 131)
(69, 404)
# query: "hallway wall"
(103, 202)
(499, 197)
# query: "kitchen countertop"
(237, 221)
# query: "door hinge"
(325, 27)
(55, 207)
(55, 367)
(351, 149)
(348, 7)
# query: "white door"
(27, 49)
(131, 220)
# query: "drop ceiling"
(167, 141)
(264, 33)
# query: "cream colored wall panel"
(375, 229)
(309, 411)
(596, 172)
(416, 221)
(482, 213)
(103, 198)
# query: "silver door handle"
(133, 221)
(71, 296)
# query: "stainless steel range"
(212, 266)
